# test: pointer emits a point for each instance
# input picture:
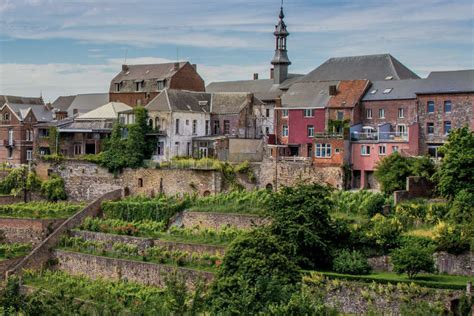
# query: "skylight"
(373, 91)
(389, 78)
(387, 91)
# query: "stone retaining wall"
(217, 220)
(144, 243)
(8, 264)
(25, 230)
(96, 267)
(462, 264)
(39, 257)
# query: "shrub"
(351, 262)
(412, 259)
(373, 204)
(462, 208)
(39, 210)
(411, 212)
(451, 238)
(385, 231)
(53, 189)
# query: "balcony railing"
(328, 135)
(8, 142)
(380, 136)
(157, 132)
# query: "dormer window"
(6, 117)
(139, 85)
(161, 84)
(117, 86)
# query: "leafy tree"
(453, 238)
(391, 172)
(351, 262)
(21, 180)
(114, 157)
(457, 166)
(373, 204)
(462, 208)
(385, 231)
(300, 216)
(53, 189)
(259, 269)
(412, 259)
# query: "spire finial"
(282, 15)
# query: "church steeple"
(280, 61)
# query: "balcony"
(9, 142)
(329, 135)
(379, 136)
(157, 132)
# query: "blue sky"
(61, 47)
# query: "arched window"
(150, 122)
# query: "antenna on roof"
(125, 58)
(177, 53)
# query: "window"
(447, 106)
(401, 130)
(176, 148)
(78, 149)
(226, 127)
(365, 150)
(373, 91)
(176, 130)
(267, 130)
(6, 116)
(382, 150)
(160, 149)
(10, 152)
(447, 127)
(430, 107)
(160, 84)
(368, 113)
(187, 122)
(323, 151)
(140, 182)
(29, 155)
(10, 136)
(137, 86)
(310, 129)
(188, 149)
(387, 91)
(267, 112)
(217, 128)
(117, 87)
(284, 131)
(207, 127)
(195, 122)
(394, 149)
(381, 113)
(308, 113)
(124, 133)
(433, 151)
(401, 112)
(284, 113)
(340, 115)
(430, 128)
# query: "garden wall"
(444, 262)
(38, 258)
(144, 243)
(10, 199)
(416, 187)
(217, 220)
(360, 298)
(25, 230)
(7, 264)
(119, 269)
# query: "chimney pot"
(272, 70)
(176, 66)
(255, 76)
(124, 67)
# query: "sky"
(64, 47)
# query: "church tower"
(280, 61)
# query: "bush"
(462, 208)
(358, 202)
(53, 189)
(39, 210)
(351, 262)
(411, 212)
(373, 204)
(385, 231)
(412, 259)
(451, 238)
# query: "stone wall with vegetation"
(25, 230)
(215, 220)
(119, 269)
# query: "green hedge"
(41, 210)
(159, 209)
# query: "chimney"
(332, 90)
(271, 72)
(176, 66)
(124, 67)
(195, 67)
(255, 76)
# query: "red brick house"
(18, 117)
(139, 84)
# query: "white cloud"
(53, 80)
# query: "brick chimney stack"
(255, 76)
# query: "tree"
(457, 166)
(258, 269)
(412, 259)
(391, 172)
(300, 216)
(53, 189)
(21, 180)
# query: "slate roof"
(146, 72)
(22, 105)
(371, 67)
(84, 103)
(107, 111)
(400, 90)
(448, 82)
(263, 89)
(230, 102)
(349, 93)
(87, 126)
(181, 101)
(63, 102)
(307, 95)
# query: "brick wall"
(96, 267)
(391, 112)
(187, 78)
(416, 187)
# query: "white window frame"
(365, 150)
(404, 132)
(284, 113)
(382, 150)
(368, 113)
(395, 149)
(310, 130)
(428, 130)
(382, 113)
(305, 113)
(195, 127)
(285, 131)
(450, 105)
(29, 155)
(323, 151)
(444, 127)
(401, 112)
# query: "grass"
(440, 281)
(39, 210)
(10, 251)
